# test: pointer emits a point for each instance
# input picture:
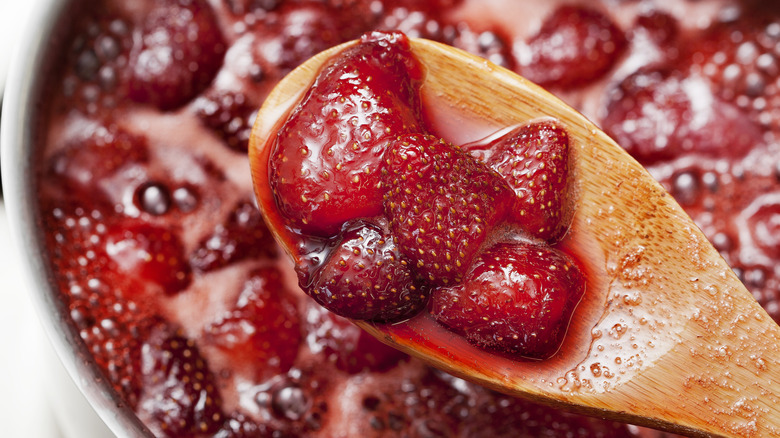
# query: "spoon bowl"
(666, 335)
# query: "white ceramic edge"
(16, 137)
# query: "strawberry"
(658, 115)
(142, 251)
(534, 160)
(739, 60)
(262, 332)
(351, 349)
(365, 277)
(112, 327)
(181, 51)
(575, 46)
(230, 115)
(326, 164)
(180, 396)
(83, 163)
(296, 31)
(244, 235)
(96, 79)
(442, 205)
(517, 300)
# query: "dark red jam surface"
(180, 293)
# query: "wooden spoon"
(666, 335)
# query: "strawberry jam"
(406, 215)
(181, 296)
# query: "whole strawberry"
(534, 160)
(180, 393)
(325, 168)
(181, 50)
(575, 46)
(442, 205)
(261, 332)
(365, 277)
(518, 300)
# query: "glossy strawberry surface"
(517, 298)
(365, 277)
(262, 330)
(180, 53)
(180, 395)
(326, 166)
(575, 45)
(534, 160)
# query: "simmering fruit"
(130, 153)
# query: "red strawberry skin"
(140, 250)
(534, 160)
(243, 235)
(575, 46)
(112, 328)
(230, 115)
(365, 277)
(83, 163)
(650, 114)
(517, 300)
(263, 331)
(351, 349)
(180, 395)
(171, 66)
(325, 167)
(442, 205)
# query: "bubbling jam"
(177, 288)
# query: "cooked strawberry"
(326, 165)
(350, 348)
(230, 115)
(534, 160)
(145, 252)
(83, 164)
(112, 327)
(517, 300)
(262, 332)
(95, 78)
(74, 229)
(244, 235)
(180, 397)
(740, 61)
(442, 205)
(294, 32)
(575, 46)
(659, 115)
(364, 277)
(181, 51)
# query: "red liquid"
(118, 177)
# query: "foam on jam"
(152, 247)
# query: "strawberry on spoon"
(665, 335)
